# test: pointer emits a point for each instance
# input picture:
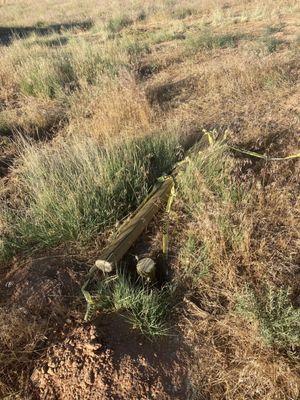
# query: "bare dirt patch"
(108, 361)
(43, 287)
(37, 298)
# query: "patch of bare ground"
(109, 361)
(36, 298)
(43, 286)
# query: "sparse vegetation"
(67, 69)
(272, 43)
(217, 257)
(75, 189)
(116, 24)
(95, 100)
(279, 321)
(208, 41)
(182, 13)
(164, 36)
(274, 29)
(194, 259)
(145, 308)
(211, 196)
(21, 336)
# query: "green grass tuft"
(210, 168)
(211, 197)
(164, 36)
(207, 40)
(145, 308)
(68, 68)
(78, 188)
(272, 44)
(194, 259)
(279, 321)
(136, 48)
(116, 24)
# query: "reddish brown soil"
(107, 361)
(44, 287)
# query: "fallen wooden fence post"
(132, 228)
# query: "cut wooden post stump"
(146, 268)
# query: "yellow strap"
(210, 137)
(264, 156)
(90, 304)
(165, 240)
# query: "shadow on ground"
(7, 34)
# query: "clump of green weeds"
(145, 308)
(207, 40)
(279, 321)
(78, 188)
(116, 24)
(182, 13)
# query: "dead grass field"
(95, 100)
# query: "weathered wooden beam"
(132, 228)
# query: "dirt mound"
(43, 286)
(82, 366)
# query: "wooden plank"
(132, 228)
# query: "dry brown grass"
(241, 233)
(117, 108)
(149, 66)
(21, 337)
(231, 363)
(236, 89)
